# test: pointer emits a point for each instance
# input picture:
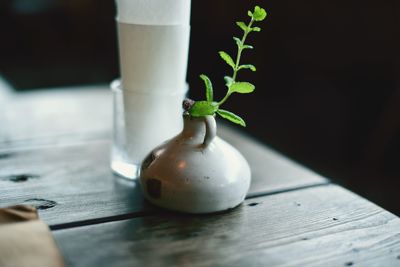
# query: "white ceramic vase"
(196, 171)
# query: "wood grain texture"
(268, 166)
(74, 182)
(321, 226)
(52, 117)
(77, 178)
(54, 154)
(65, 116)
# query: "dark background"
(328, 92)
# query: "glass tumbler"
(149, 120)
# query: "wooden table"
(54, 154)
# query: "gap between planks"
(156, 211)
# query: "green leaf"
(238, 42)
(242, 87)
(247, 47)
(249, 14)
(228, 81)
(227, 58)
(209, 87)
(242, 25)
(248, 66)
(259, 13)
(231, 116)
(256, 29)
(203, 108)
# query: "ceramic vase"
(196, 171)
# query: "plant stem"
(238, 55)
(224, 99)
(240, 49)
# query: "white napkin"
(154, 12)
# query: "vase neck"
(200, 130)
(194, 126)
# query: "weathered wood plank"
(54, 146)
(64, 116)
(60, 117)
(267, 166)
(78, 179)
(57, 116)
(320, 226)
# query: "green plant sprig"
(209, 106)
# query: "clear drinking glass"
(151, 120)
(153, 39)
(120, 162)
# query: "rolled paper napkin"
(153, 37)
(154, 12)
(153, 58)
(25, 240)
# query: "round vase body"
(196, 171)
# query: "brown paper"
(25, 240)
(18, 213)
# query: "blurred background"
(328, 88)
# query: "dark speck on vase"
(335, 219)
(223, 236)
(350, 263)
(19, 178)
(6, 155)
(154, 187)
